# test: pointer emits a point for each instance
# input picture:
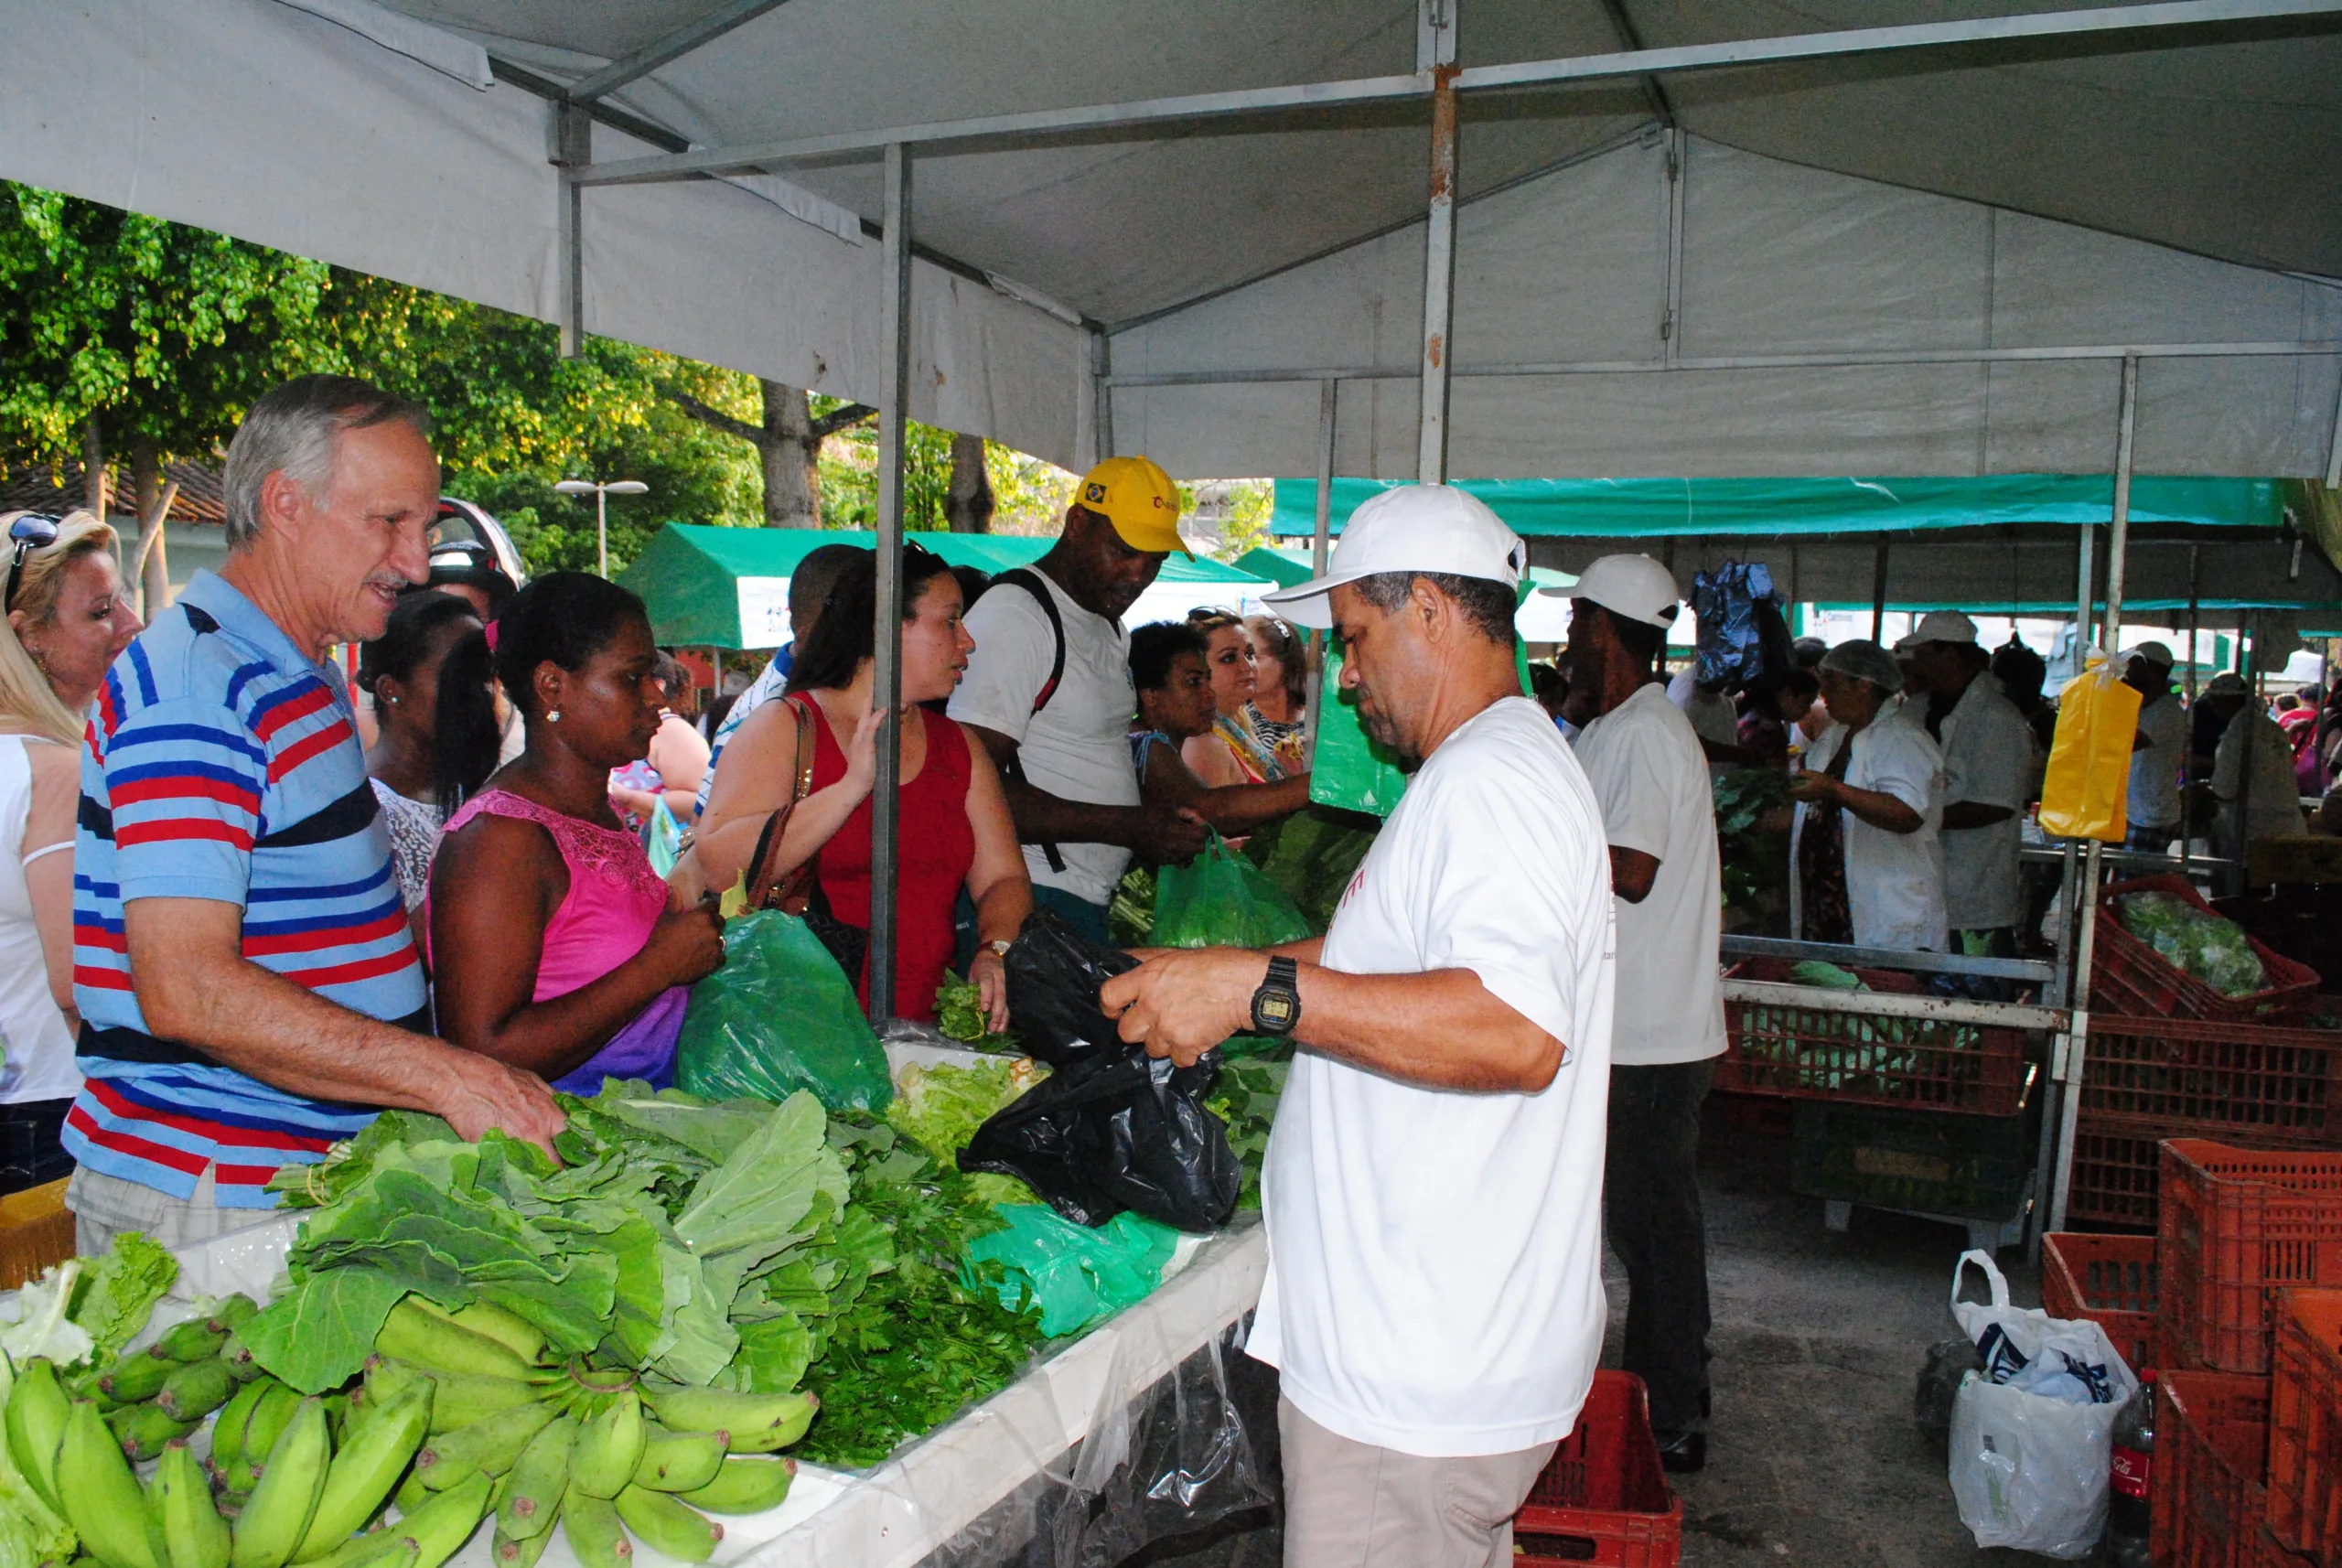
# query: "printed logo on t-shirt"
(1358, 880)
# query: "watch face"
(1275, 1010)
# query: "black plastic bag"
(1113, 1133)
(1949, 1361)
(1054, 974)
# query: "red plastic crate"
(2238, 1224)
(2305, 1425)
(2126, 975)
(2111, 1280)
(2211, 1450)
(2256, 1082)
(1824, 1053)
(2273, 1555)
(1603, 1498)
(2117, 1168)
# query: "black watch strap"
(1276, 1005)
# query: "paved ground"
(1812, 1456)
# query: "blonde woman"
(65, 622)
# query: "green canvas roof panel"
(1641, 508)
(712, 588)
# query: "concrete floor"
(1812, 1455)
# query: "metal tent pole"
(2077, 1043)
(2188, 751)
(1328, 395)
(893, 405)
(1878, 590)
(1435, 53)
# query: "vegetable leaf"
(318, 1336)
(118, 1292)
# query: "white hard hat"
(1409, 528)
(1635, 586)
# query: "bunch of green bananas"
(602, 1452)
(455, 1418)
(151, 1396)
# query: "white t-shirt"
(1987, 759)
(2154, 799)
(1711, 713)
(1647, 772)
(1894, 881)
(40, 1046)
(1434, 1281)
(2275, 803)
(1078, 747)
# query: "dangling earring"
(553, 717)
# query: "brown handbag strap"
(766, 890)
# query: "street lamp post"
(601, 493)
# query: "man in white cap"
(2152, 805)
(1987, 765)
(1433, 1299)
(1645, 763)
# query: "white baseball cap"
(1635, 586)
(1942, 625)
(2154, 653)
(1411, 528)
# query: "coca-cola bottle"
(2131, 1481)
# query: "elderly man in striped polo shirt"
(248, 988)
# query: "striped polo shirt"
(221, 763)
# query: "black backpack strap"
(1024, 577)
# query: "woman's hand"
(686, 945)
(639, 802)
(989, 975)
(862, 753)
(1812, 787)
(687, 884)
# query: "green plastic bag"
(1351, 773)
(1223, 900)
(778, 1018)
(1078, 1276)
(1348, 772)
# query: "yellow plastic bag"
(2085, 794)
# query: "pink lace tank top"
(614, 898)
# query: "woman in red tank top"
(956, 831)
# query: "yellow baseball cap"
(1138, 497)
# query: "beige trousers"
(1351, 1505)
(104, 1207)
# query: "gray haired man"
(247, 984)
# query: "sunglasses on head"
(34, 531)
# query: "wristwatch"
(1276, 1005)
(997, 948)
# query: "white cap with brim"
(1634, 587)
(1411, 528)
(1943, 625)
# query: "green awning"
(727, 587)
(1641, 508)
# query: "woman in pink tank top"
(550, 943)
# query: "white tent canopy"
(2082, 182)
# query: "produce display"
(1246, 1099)
(960, 1015)
(940, 1107)
(1848, 1052)
(1754, 859)
(2193, 940)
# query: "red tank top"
(936, 849)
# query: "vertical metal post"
(572, 150)
(2188, 751)
(2118, 537)
(894, 410)
(1329, 394)
(1878, 590)
(2077, 1052)
(1101, 362)
(1670, 326)
(1435, 53)
(2086, 596)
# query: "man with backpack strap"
(1048, 691)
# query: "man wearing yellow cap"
(1049, 689)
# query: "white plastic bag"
(2030, 1437)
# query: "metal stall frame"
(1438, 81)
